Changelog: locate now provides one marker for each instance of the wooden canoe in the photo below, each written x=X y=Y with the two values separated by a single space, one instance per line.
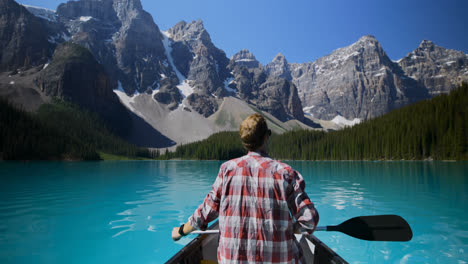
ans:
x=203 y=249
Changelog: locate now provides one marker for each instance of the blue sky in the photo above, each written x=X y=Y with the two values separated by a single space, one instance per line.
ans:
x=304 y=30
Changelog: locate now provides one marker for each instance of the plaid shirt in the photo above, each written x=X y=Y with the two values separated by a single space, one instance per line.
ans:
x=256 y=199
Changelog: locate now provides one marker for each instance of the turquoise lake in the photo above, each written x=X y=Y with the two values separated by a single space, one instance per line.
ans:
x=123 y=212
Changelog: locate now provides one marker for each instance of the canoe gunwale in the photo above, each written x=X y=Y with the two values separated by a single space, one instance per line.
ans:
x=323 y=253
x=193 y=251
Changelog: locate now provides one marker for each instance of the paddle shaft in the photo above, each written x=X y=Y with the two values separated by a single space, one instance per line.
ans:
x=371 y=228
x=215 y=231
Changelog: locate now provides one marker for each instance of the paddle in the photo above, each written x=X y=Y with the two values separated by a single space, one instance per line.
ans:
x=372 y=228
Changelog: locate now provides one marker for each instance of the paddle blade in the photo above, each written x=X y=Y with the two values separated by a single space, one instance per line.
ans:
x=376 y=228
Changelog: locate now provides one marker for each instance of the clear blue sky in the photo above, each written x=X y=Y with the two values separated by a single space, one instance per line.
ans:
x=304 y=30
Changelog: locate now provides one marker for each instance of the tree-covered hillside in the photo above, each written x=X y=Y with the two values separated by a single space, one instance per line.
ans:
x=436 y=128
x=58 y=131
x=219 y=146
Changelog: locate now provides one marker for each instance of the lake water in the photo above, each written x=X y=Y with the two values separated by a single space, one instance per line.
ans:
x=123 y=212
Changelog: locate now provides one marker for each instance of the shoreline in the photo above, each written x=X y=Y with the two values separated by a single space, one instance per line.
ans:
x=123 y=158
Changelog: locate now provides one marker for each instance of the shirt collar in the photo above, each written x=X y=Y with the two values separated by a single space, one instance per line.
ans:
x=259 y=153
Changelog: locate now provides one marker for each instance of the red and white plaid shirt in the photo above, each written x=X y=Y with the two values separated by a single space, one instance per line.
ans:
x=256 y=199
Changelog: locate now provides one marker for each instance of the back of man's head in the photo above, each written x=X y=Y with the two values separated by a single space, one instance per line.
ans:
x=252 y=131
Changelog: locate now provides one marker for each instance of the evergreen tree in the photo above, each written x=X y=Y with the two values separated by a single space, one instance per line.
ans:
x=435 y=128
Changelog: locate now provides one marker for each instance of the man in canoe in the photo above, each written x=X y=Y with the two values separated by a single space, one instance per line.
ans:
x=260 y=202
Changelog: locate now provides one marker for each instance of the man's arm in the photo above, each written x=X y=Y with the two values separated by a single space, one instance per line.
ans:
x=206 y=212
x=302 y=209
x=187 y=229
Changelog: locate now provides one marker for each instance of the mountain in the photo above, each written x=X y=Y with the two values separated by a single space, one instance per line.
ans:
x=161 y=88
x=72 y=73
x=246 y=58
x=440 y=70
x=434 y=129
x=269 y=93
x=203 y=65
x=122 y=37
x=168 y=80
x=23 y=38
x=58 y=130
x=358 y=81
x=75 y=76
x=279 y=67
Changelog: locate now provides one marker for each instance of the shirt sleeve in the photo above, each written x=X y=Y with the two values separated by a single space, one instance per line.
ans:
x=208 y=210
x=300 y=206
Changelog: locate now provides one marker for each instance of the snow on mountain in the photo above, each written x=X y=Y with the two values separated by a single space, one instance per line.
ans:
x=126 y=100
x=339 y=120
x=85 y=18
x=41 y=12
x=308 y=110
x=184 y=87
x=227 y=82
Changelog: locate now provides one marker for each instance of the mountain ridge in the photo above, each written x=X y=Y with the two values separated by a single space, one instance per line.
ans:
x=180 y=73
x=371 y=84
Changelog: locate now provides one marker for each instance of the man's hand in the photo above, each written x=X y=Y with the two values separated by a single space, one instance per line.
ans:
x=175 y=234
x=187 y=230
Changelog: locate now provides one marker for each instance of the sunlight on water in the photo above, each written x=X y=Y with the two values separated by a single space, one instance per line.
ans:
x=123 y=212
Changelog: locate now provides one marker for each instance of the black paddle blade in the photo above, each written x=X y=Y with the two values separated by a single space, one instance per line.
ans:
x=376 y=228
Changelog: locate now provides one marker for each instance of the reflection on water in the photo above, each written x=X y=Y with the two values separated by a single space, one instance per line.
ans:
x=123 y=212
x=343 y=194
x=168 y=200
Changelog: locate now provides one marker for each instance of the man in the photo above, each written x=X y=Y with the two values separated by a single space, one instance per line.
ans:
x=260 y=203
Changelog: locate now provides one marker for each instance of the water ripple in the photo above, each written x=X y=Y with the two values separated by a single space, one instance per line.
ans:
x=93 y=212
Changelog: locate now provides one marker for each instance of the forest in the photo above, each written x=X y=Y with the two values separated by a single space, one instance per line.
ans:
x=432 y=129
x=59 y=131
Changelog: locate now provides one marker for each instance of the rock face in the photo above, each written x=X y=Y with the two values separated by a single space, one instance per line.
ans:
x=272 y=94
x=23 y=38
x=201 y=63
x=74 y=75
x=438 y=69
x=279 y=67
x=246 y=58
x=121 y=36
x=110 y=56
x=358 y=81
x=179 y=67
x=166 y=77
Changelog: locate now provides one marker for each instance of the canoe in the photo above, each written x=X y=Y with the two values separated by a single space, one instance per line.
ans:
x=203 y=249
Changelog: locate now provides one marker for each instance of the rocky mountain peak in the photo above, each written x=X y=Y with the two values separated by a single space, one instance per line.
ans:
x=198 y=24
x=370 y=38
x=426 y=43
x=102 y=10
x=127 y=8
x=122 y=36
x=127 y=4
x=357 y=81
x=107 y=10
x=280 y=58
x=192 y=31
x=245 y=58
x=279 y=67
x=367 y=54
x=202 y=64
x=437 y=68
x=368 y=42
